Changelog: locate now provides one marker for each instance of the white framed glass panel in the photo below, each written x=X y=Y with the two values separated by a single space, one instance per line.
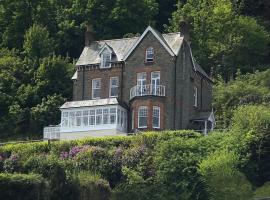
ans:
x=112 y=115
x=122 y=117
x=78 y=118
x=114 y=82
x=105 y=59
x=149 y=54
x=99 y=116
x=92 y=117
x=72 y=119
x=64 y=119
x=141 y=83
x=96 y=88
x=156 y=117
x=155 y=81
x=85 y=118
x=105 y=116
x=142 y=117
x=195 y=95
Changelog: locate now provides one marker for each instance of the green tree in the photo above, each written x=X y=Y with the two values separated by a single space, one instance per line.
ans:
x=221 y=38
x=222 y=178
x=37 y=43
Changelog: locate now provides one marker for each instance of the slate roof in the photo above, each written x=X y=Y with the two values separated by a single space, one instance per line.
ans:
x=90 y=103
x=121 y=47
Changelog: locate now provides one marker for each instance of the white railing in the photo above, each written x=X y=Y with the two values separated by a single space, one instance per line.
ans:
x=144 y=90
x=51 y=132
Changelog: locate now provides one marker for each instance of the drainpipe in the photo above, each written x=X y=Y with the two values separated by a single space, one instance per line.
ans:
x=122 y=81
x=83 y=83
x=202 y=93
x=174 y=110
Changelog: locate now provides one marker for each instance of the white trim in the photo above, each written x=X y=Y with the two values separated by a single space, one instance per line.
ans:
x=107 y=47
x=158 y=108
x=93 y=88
x=142 y=107
x=116 y=77
x=149 y=28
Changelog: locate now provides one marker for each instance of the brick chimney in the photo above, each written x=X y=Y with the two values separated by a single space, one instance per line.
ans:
x=89 y=36
x=184 y=30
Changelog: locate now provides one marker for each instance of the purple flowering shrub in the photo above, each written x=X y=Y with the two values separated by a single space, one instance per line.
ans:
x=72 y=152
x=11 y=164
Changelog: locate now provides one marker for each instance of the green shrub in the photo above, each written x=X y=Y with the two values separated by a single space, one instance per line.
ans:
x=93 y=187
x=263 y=191
x=222 y=178
x=22 y=186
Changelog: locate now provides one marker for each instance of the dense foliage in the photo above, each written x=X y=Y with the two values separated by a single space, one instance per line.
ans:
x=156 y=165
x=39 y=39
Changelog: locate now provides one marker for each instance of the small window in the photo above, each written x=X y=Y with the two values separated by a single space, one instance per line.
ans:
x=149 y=55
x=105 y=59
x=96 y=88
x=114 y=82
x=142 y=117
x=195 y=95
x=72 y=119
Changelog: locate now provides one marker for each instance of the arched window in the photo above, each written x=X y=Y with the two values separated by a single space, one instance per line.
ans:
x=142 y=117
x=149 y=54
x=195 y=95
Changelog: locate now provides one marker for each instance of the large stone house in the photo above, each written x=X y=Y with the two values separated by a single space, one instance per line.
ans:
x=150 y=82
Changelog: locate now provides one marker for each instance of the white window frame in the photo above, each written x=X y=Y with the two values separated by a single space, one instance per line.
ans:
x=104 y=54
x=139 y=109
x=96 y=79
x=153 y=115
x=195 y=96
x=111 y=86
x=149 y=51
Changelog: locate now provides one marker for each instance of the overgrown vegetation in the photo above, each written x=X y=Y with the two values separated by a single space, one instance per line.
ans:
x=153 y=165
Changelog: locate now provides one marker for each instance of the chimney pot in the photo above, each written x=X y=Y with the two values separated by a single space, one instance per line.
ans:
x=89 y=36
x=184 y=30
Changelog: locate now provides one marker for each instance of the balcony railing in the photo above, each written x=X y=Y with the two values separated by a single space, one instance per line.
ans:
x=51 y=132
x=144 y=90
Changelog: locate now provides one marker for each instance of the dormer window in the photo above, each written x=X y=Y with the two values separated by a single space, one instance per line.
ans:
x=105 y=59
x=149 y=54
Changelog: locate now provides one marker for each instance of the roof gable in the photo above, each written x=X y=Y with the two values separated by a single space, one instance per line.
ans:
x=157 y=35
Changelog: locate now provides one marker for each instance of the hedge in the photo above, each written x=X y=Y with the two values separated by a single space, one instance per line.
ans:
x=22 y=186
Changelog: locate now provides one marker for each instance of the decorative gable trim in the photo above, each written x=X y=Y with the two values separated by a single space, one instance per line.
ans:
x=105 y=46
x=149 y=28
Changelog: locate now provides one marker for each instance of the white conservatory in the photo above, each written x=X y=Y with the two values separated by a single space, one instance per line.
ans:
x=101 y=117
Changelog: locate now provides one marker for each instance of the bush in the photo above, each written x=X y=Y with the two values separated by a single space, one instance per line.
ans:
x=263 y=191
x=22 y=186
x=92 y=187
x=222 y=179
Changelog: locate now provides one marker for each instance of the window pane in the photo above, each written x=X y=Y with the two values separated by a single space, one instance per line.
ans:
x=71 y=119
x=156 y=117
x=150 y=54
x=96 y=88
x=113 y=115
x=105 y=116
x=142 y=117
x=99 y=117
x=114 y=86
